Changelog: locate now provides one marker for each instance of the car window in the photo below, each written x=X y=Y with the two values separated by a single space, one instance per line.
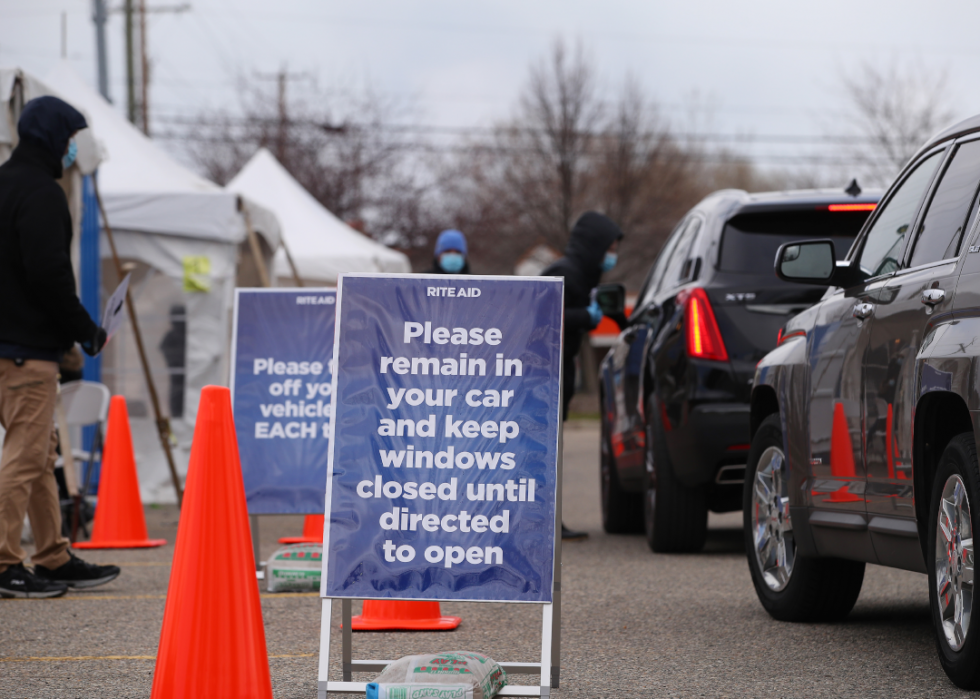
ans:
x=884 y=243
x=656 y=274
x=945 y=220
x=677 y=270
x=750 y=239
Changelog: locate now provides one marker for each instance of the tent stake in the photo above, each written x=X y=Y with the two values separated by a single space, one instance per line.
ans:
x=163 y=423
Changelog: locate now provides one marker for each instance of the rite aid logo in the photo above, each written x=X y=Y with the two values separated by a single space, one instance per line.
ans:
x=316 y=300
x=452 y=291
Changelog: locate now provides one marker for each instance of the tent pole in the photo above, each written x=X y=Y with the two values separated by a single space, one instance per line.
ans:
x=292 y=265
x=253 y=243
x=163 y=423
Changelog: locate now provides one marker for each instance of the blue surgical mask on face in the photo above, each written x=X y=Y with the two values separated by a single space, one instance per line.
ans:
x=609 y=261
x=68 y=158
x=451 y=262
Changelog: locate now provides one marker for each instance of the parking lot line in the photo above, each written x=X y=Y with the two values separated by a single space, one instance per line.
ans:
x=90 y=598
x=85 y=658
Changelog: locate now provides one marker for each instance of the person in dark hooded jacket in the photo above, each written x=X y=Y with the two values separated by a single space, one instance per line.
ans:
x=41 y=318
x=591 y=251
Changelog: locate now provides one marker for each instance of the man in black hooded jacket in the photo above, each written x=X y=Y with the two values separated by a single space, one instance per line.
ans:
x=41 y=318
x=591 y=251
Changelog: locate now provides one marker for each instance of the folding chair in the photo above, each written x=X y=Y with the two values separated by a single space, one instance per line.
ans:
x=86 y=404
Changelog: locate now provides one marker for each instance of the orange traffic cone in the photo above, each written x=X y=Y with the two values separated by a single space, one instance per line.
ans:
x=841 y=456
x=312 y=532
x=378 y=615
x=119 y=521
x=212 y=643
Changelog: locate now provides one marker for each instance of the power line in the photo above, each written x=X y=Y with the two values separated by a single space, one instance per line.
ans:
x=435 y=129
x=827 y=161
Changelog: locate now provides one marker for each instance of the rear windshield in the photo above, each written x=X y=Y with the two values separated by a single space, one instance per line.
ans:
x=750 y=241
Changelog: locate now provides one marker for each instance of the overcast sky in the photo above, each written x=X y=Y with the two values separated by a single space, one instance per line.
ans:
x=763 y=67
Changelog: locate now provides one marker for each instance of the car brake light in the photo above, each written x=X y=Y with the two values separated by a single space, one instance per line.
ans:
x=852 y=207
x=704 y=339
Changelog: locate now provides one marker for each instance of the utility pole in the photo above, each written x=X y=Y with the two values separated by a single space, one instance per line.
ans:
x=144 y=72
x=64 y=35
x=99 y=17
x=130 y=68
x=282 y=130
x=138 y=109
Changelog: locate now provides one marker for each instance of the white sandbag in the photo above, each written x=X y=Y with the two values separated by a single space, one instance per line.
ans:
x=295 y=568
x=458 y=674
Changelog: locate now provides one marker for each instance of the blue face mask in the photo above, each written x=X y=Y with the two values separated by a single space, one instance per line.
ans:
x=609 y=261
x=451 y=262
x=68 y=158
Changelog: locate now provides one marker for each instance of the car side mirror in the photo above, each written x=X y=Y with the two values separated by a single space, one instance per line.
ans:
x=611 y=299
x=814 y=262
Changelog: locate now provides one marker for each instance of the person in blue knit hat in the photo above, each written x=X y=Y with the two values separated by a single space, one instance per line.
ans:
x=450 y=255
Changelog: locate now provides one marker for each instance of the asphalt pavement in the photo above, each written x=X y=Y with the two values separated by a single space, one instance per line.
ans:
x=635 y=624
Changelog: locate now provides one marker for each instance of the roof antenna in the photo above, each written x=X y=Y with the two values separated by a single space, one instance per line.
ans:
x=853 y=188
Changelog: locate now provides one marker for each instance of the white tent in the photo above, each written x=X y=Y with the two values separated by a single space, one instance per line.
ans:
x=322 y=246
x=185 y=239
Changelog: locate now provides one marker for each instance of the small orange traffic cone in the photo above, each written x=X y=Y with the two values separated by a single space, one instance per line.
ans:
x=312 y=532
x=212 y=643
x=841 y=456
x=119 y=520
x=378 y=615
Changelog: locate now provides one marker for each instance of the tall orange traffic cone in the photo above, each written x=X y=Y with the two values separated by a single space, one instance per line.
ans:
x=841 y=456
x=119 y=520
x=212 y=643
x=312 y=532
x=377 y=615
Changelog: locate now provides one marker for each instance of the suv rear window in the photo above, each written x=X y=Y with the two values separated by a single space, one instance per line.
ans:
x=750 y=240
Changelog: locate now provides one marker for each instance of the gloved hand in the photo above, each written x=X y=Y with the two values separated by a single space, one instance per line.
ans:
x=94 y=346
x=595 y=313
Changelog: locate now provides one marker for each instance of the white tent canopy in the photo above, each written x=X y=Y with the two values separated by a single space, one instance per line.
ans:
x=322 y=246
x=167 y=220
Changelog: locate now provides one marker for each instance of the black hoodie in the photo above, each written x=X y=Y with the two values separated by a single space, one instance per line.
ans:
x=40 y=314
x=591 y=237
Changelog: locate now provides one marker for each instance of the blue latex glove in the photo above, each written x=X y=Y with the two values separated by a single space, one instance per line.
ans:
x=595 y=313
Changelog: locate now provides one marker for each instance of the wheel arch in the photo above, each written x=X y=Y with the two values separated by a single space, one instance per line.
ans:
x=762 y=404
x=939 y=416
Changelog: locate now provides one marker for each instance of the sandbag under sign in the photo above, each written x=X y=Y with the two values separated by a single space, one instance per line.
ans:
x=295 y=568
x=458 y=674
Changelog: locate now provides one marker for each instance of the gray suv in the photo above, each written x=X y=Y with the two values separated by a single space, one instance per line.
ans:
x=865 y=417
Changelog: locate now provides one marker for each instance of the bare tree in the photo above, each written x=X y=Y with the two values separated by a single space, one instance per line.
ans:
x=896 y=108
x=343 y=155
x=640 y=177
x=550 y=140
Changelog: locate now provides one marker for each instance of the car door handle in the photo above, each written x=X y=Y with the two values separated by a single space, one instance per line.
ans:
x=863 y=311
x=931 y=297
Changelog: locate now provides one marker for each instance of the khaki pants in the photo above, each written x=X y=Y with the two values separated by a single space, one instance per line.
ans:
x=27 y=483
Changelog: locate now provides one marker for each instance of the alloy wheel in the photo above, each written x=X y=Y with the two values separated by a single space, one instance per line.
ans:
x=775 y=547
x=954 y=562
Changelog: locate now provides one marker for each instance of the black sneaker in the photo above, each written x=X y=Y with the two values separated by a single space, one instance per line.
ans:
x=78 y=573
x=18 y=581
x=571 y=535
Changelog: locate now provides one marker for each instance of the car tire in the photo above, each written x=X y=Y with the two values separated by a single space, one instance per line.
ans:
x=675 y=517
x=953 y=517
x=622 y=512
x=790 y=587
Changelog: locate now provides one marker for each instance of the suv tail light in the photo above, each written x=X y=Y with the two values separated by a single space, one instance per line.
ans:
x=704 y=339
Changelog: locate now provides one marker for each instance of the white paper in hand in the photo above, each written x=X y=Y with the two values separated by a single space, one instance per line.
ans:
x=113 y=316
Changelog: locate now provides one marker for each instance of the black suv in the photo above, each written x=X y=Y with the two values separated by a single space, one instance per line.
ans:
x=675 y=386
x=865 y=420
